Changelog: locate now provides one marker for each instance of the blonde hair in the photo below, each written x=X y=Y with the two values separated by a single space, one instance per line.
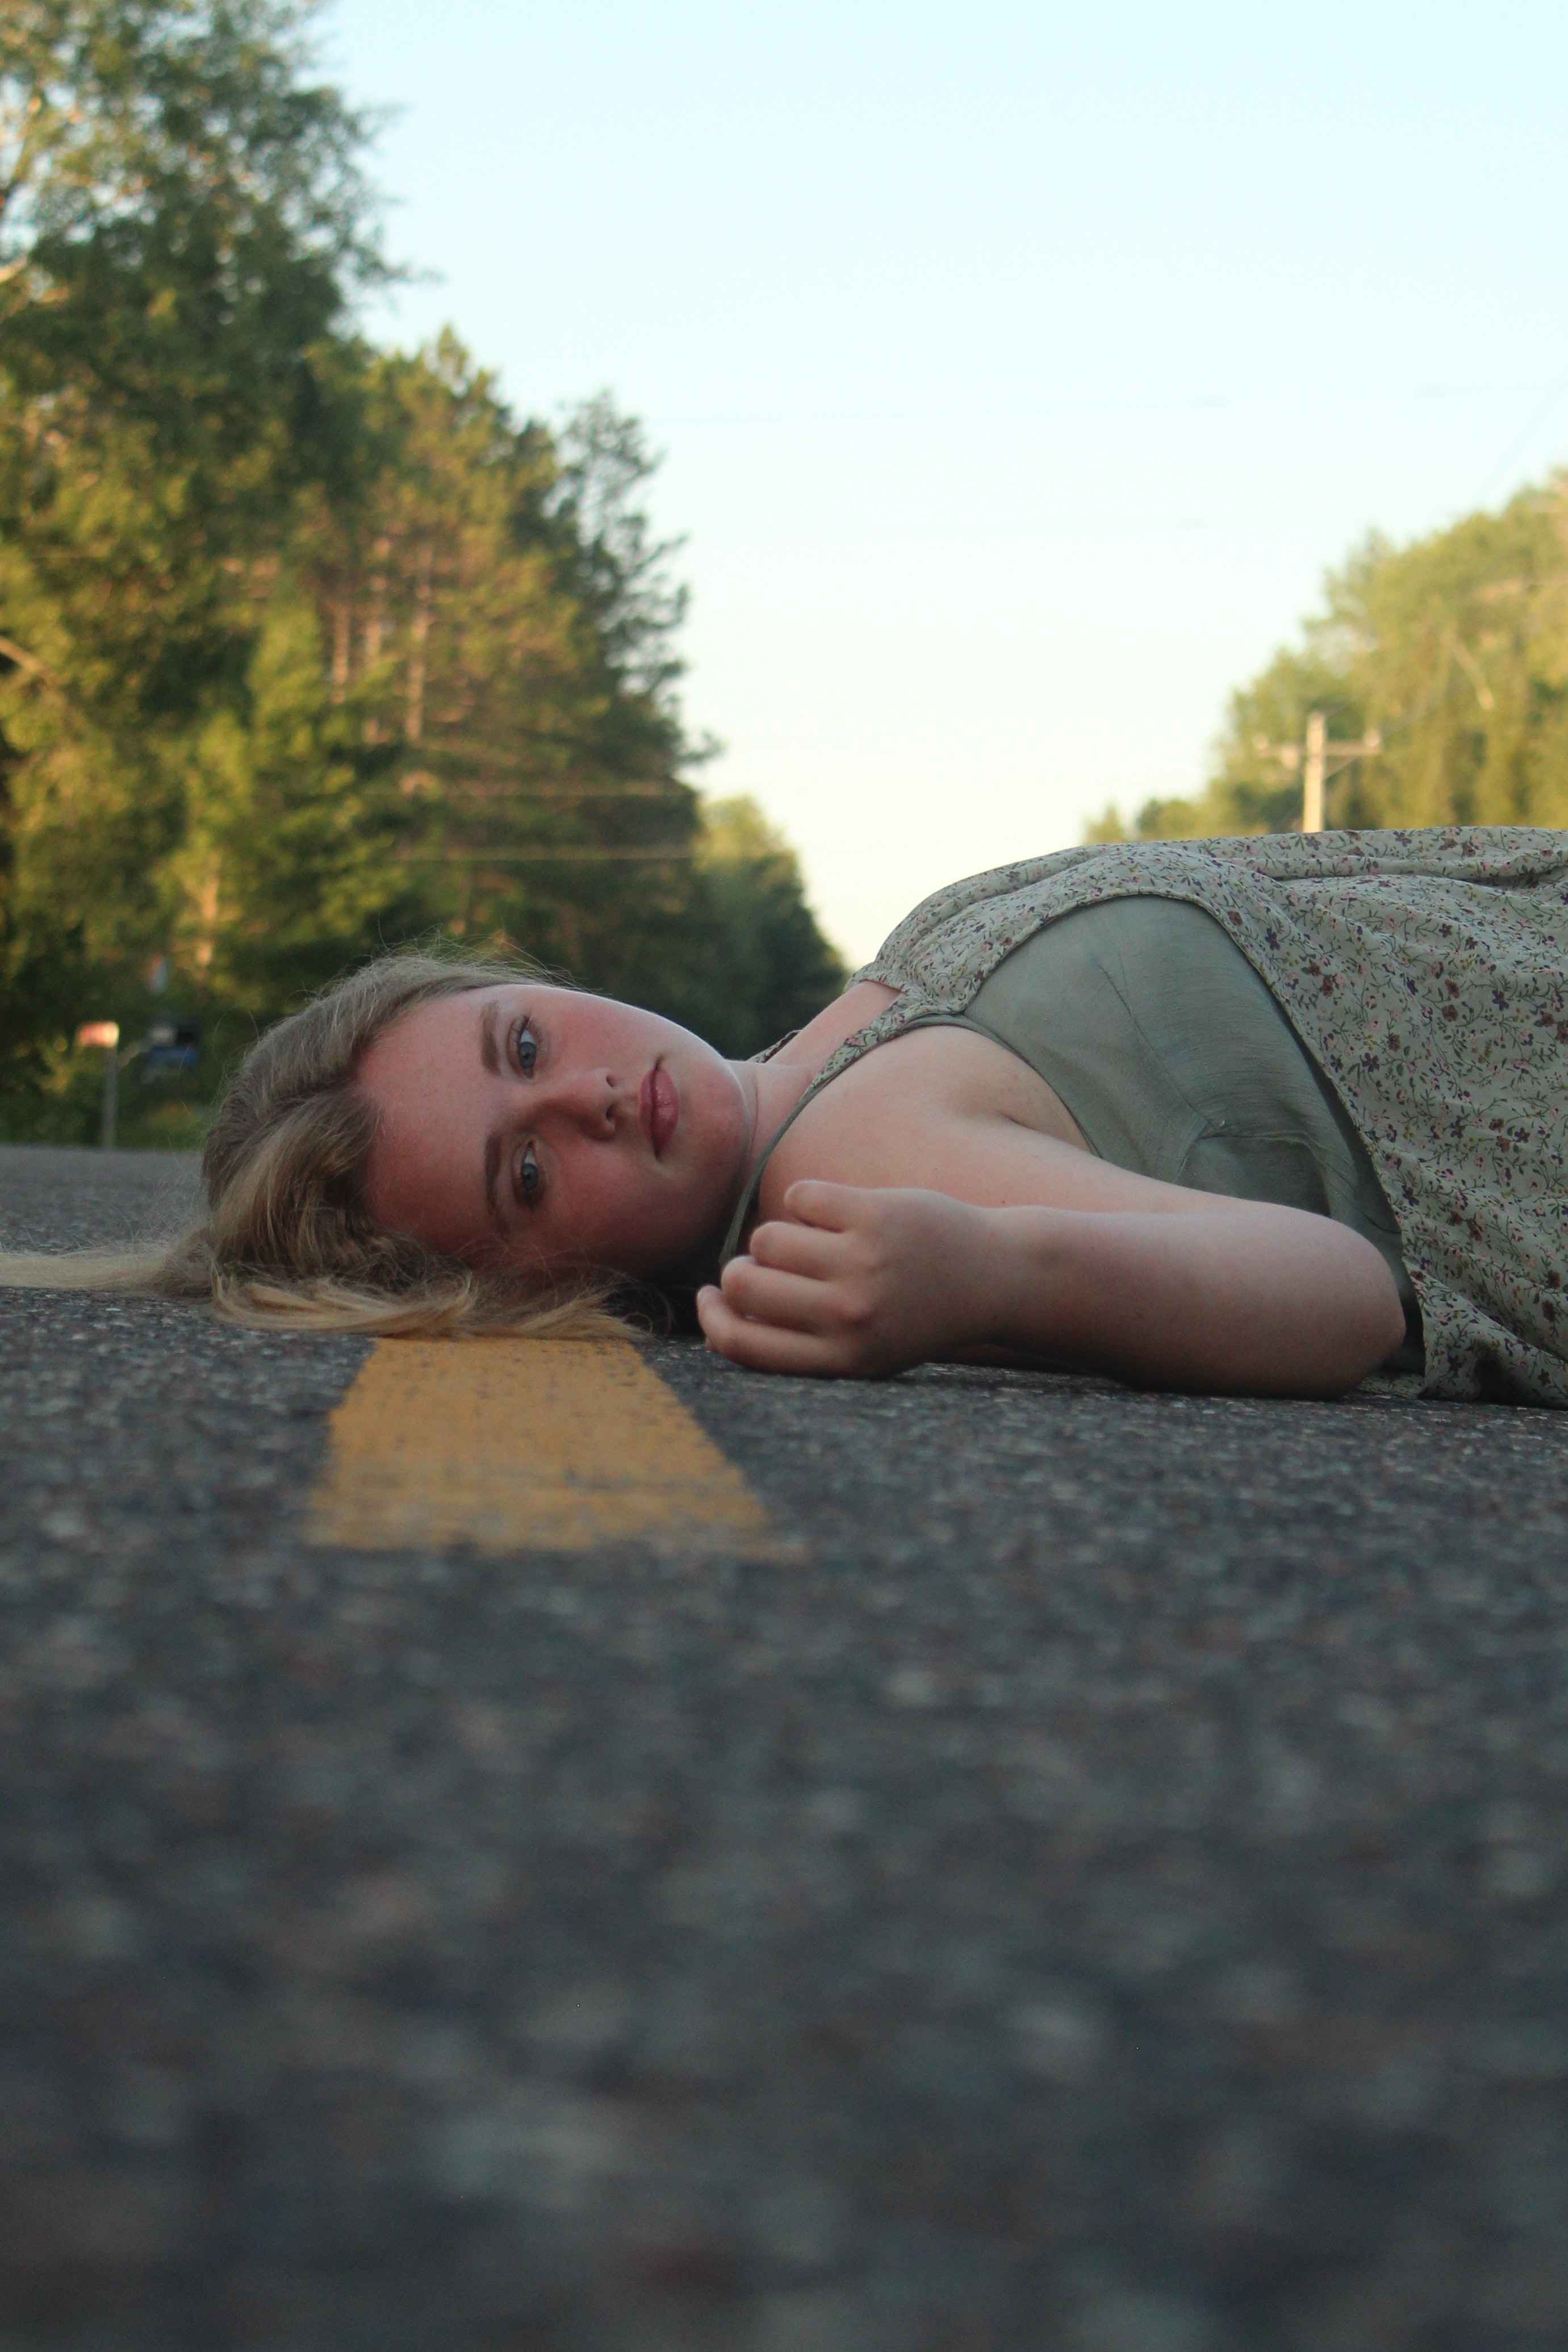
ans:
x=287 y=1240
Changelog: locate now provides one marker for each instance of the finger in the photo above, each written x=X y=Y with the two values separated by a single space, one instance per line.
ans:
x=797 y=1249
x=811 y=1201
x=767 y=1295
x=762 y=1347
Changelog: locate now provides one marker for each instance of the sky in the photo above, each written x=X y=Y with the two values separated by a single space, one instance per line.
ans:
x=1018 y=371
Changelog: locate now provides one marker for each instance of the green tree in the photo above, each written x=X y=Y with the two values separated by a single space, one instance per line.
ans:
x=180 y=228
x=771 y=967
x=306 y=649
x=495 y=628
x=182 y=209
x=1453 y=651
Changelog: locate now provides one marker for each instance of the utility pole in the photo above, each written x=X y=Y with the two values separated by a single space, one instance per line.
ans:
x=1313 y=758
x=106 y=1035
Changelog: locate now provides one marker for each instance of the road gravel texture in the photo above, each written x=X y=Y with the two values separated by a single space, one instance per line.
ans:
x=1109 y=1893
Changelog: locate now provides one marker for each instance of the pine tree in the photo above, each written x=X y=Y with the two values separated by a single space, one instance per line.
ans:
x=305 y=648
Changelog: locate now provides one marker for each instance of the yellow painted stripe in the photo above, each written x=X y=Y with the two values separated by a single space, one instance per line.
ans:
x=521 y=1444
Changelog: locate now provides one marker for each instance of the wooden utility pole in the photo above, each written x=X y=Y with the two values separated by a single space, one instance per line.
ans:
x=1313 y=758
x=106 y=1035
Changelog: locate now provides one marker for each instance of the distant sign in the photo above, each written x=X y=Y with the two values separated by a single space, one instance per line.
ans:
x=170 y=1047
x=99 y=1032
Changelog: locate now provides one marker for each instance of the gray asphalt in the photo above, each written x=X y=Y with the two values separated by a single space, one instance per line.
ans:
x=1111 y=1894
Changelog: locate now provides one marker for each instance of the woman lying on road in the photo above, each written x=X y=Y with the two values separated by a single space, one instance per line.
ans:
x=1257 y=1115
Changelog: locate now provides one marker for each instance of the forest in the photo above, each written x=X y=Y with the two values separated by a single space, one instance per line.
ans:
x=306 y=648
x=1450 y=655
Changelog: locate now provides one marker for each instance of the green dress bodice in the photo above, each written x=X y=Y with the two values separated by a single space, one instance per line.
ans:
x=1177 y=1062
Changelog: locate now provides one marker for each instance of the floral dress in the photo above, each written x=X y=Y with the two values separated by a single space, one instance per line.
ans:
x=1428 y=974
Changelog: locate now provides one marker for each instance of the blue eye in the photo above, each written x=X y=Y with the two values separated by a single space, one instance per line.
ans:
x=525 y=1047
x=528 y=1178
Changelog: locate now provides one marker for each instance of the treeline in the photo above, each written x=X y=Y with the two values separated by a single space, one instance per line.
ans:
x=305 y=648
x=1452 y=653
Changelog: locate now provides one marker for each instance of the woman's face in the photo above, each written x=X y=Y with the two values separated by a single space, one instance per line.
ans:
x=529 y=1126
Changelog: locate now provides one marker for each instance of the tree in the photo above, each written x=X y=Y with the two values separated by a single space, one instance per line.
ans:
x=1454 y=650
x=181 y=208
x=773 y=969
x=496 y=625
x=182 y=225
x=306 y=649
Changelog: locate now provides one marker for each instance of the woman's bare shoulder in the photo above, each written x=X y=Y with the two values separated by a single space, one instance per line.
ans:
x=827 y=1030
x=945 y=1110
x=940 y=1108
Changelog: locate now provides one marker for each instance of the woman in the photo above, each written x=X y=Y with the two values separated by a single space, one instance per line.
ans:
x=1257 y=1115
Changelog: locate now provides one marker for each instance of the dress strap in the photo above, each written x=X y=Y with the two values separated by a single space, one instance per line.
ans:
x=776 y=1047
x=909 y=1011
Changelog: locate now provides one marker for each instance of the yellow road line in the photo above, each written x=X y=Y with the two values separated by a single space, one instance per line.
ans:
x=524 y=1445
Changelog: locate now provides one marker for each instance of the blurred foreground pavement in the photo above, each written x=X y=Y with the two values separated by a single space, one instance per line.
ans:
x=1110 y=1893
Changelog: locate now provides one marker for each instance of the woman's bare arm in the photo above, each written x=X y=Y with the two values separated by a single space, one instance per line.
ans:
x=1223 y=1295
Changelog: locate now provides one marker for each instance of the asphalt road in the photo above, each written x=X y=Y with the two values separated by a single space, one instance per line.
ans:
x=1110 y=1893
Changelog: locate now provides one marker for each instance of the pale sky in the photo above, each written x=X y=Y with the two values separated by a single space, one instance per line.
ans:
x=1019 y=370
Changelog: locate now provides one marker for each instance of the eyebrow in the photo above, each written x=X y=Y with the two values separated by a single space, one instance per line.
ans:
x=489 y=1052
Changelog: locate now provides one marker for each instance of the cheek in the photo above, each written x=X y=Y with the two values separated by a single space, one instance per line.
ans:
x=413 y=1191
x=387 y=1185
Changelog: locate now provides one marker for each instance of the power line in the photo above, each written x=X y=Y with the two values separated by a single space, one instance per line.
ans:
x=523 y=788
x=480 y=856
x=1130 y=528
x=1523 y=441
x=1178 y=405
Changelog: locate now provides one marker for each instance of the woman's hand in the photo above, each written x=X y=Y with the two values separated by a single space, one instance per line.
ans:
x=1196 y=1292
x=854 y=1281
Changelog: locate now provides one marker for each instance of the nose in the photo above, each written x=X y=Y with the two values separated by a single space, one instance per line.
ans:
x=593 y=1101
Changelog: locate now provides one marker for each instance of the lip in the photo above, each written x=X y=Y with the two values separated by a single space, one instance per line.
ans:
x=658 y=1108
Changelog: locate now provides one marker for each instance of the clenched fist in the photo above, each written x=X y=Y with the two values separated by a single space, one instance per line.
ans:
x=855 y=1281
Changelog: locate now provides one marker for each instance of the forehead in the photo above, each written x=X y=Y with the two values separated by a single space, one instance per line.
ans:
x=444 y=1027
x=434 y=1025
x=463 y=1009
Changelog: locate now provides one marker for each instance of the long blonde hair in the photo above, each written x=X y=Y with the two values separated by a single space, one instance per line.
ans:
x=288 y=1239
